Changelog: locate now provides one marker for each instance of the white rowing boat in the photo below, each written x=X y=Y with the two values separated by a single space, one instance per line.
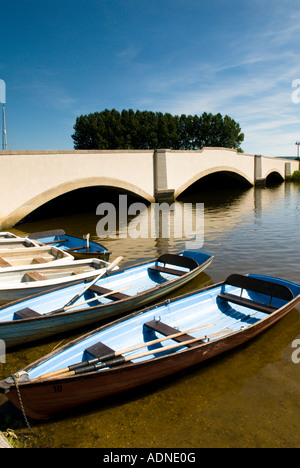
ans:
x=23 y=281
x=11 y=258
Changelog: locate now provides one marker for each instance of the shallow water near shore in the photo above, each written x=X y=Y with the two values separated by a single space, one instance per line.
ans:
x=248 y=397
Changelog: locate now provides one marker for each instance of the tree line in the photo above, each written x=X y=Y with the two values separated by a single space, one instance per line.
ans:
x=130 y=129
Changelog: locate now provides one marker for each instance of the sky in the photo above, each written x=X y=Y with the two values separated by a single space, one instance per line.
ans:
x=61 y=59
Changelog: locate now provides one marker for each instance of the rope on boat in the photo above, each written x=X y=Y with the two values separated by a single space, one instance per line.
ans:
x=21 y=403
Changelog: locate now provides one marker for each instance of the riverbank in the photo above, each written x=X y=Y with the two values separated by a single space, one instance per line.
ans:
x=296 y=176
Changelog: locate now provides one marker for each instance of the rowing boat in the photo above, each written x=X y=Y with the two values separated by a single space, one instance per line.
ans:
x=80 y=248
x=151 y=344
x=25 y=280
x=118 y=293
x=11 y=258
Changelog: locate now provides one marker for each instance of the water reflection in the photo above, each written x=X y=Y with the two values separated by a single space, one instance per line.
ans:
x=249 y=397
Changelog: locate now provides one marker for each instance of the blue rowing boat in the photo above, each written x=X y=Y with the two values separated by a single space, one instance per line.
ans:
x=151 y=344
x=45 y=314
x=80 y=248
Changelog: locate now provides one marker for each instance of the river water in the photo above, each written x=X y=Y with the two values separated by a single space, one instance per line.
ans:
x=246 y=398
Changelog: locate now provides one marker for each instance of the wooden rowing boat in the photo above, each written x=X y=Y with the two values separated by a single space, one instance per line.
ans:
x=151 y=344
x=12 y=258
x=80 y=248
x=26 y=280
x=43 y=315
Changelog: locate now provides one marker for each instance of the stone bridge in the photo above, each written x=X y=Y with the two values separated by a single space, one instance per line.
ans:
x=29 y=179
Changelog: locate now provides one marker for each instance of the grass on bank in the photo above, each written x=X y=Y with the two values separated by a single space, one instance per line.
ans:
x=295 y=176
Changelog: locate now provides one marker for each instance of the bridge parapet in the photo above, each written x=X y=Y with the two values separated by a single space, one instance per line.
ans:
x=29 y=179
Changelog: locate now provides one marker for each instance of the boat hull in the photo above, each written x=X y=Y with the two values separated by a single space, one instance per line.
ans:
x=13 y=286
x=78 y=255
x=24 y=331
x=12 y=258
x=42 y=399
x=75 y=246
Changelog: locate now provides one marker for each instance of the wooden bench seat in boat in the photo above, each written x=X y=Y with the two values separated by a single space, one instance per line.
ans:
x=62 y=271
x=167 y=330
x=115 y=296
x=99 y=350
x=259 y=286
x=25 y=313
x=243 y=301
x=40 y=260
x=56 y=241
x=80 y=271
x=34 y=276
x=176 y=260
x=170 y=271
x=4 y=263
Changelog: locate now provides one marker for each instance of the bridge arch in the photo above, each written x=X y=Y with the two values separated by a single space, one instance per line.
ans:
x=215 y=170
x=274 y=175
x=55 y=192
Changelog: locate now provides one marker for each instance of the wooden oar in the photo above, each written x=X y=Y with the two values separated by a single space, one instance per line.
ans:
x=112 y=356
x=103 y=272
x=121 y=360
x=95 y=298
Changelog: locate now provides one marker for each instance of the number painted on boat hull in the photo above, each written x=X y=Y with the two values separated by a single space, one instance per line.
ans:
x=57 y=388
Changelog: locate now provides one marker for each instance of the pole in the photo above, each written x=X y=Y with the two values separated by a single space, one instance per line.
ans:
x=4 y=139
x=298 y=144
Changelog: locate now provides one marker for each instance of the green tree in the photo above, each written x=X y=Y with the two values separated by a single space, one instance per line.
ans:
x=111 y=129
x=214 y=130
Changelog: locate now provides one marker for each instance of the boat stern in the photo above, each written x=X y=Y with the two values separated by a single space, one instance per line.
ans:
x=199 y=257
x=294 y=287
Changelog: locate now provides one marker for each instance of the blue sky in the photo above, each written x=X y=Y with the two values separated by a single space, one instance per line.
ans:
x=63 y=58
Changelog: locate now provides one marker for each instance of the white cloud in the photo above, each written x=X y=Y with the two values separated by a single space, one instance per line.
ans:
x=252 y=84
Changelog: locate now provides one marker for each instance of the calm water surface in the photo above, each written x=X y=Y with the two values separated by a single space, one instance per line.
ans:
x=246 y=398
